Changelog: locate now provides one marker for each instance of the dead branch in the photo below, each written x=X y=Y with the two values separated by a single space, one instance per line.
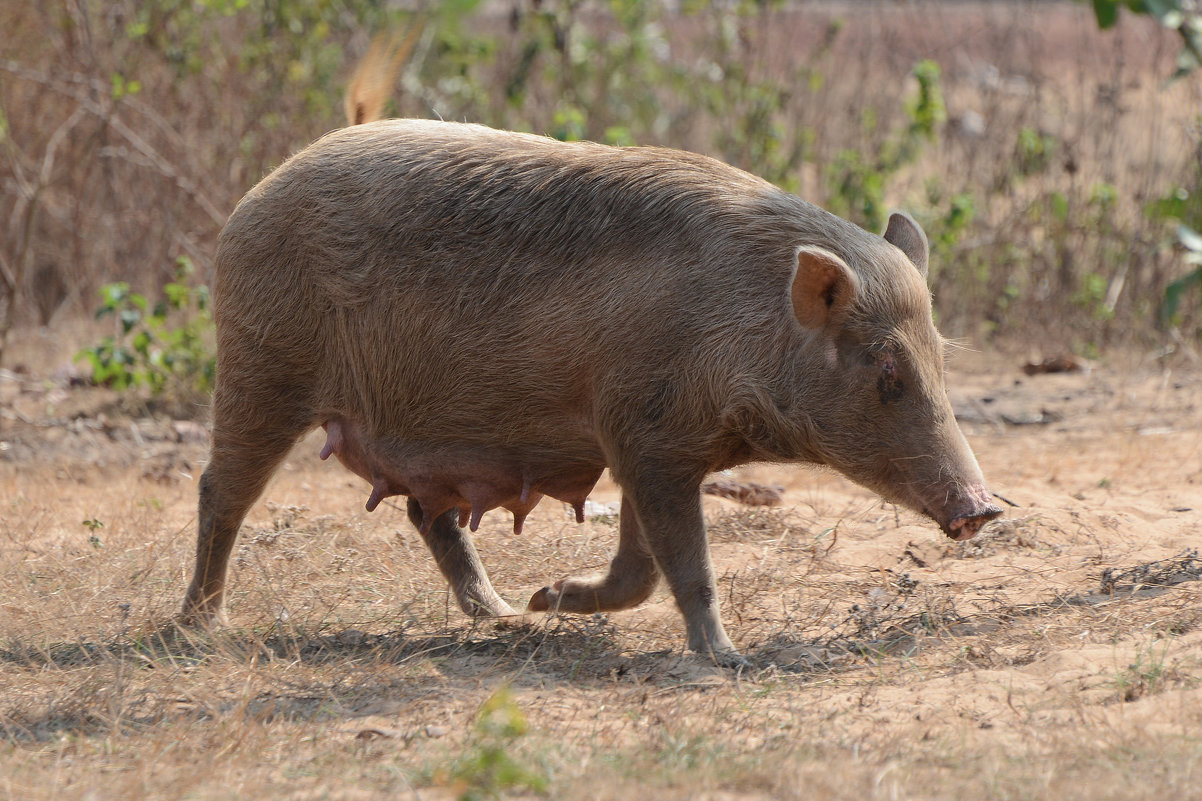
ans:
x=77 y=89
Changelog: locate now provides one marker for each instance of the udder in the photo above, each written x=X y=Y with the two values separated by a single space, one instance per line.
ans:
x=473 y=479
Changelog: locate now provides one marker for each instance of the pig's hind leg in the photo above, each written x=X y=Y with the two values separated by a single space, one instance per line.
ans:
x=631 y=578
x=243 y=458
x=460 y=564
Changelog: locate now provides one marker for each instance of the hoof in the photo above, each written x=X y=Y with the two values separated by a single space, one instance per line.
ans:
x=732 y=660
x=497 y=608
x=199 y=620
x=546 y=599
x=201 y=615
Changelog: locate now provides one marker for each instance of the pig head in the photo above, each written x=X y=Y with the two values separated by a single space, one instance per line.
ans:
x=882 y=415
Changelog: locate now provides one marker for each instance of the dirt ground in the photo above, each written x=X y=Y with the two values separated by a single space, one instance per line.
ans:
x=1057 y=655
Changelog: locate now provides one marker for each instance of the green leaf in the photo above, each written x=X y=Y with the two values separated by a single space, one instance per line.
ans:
x=123 y=356
x=1107 y=12
x=1059 y=204
x=129 y=318
x=1187 y=62
x=141 y=342
x=1173 y=205
x=112 y=295
x=1191 y=240
x=123 y=87
x=457 y=8
x=177 y=295
x=1174 y=292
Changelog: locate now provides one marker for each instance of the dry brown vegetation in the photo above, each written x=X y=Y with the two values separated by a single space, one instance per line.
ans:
x=1058 y=655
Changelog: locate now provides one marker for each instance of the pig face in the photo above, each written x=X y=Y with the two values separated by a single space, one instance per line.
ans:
x=883 y=418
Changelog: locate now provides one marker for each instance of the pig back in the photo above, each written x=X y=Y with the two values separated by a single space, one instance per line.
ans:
x=445 y=280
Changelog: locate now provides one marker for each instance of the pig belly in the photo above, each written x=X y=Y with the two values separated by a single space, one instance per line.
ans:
x=474 y=480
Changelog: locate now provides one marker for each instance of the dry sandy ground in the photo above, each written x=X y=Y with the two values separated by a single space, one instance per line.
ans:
x=1059 y=655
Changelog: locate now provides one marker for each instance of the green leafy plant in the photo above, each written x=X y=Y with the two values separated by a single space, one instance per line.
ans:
x=1034 y=151
x=926 y=109
x=1191 y=241
x=488 y=768
x=946 y=229
x=94 y=525
x=1180 y=211
x=1146 y=675
x=857 y=183
x=162 y=346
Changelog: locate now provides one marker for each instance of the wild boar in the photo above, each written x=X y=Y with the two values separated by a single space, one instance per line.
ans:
x=481 y=318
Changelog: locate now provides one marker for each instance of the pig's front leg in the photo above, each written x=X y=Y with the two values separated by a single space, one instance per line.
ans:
x=631 y=578
x=460 y=564
x=669 y=511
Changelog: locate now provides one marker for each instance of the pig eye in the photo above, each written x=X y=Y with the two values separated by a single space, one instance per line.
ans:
x=883 y=359
x=889 y=385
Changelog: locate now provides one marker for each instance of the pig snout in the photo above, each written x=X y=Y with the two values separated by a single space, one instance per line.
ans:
x=966 y=512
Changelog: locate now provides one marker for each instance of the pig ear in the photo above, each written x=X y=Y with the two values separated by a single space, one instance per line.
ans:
x=823 y=287
x=903 y=232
